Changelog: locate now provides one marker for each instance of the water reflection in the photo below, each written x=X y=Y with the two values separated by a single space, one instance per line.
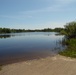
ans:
x=5 y=36
x=9 y=35
x=29 y=45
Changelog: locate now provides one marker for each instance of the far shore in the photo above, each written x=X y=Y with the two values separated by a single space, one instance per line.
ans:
x=56 y=65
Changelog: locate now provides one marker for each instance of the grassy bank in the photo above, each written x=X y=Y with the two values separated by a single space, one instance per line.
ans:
x=71 y=48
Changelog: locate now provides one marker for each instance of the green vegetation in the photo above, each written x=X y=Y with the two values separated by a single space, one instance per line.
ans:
x=5 y=30
x=70 y=33
x=71 y=48
x=8 y=30
x=58 y=29
x=69 y=30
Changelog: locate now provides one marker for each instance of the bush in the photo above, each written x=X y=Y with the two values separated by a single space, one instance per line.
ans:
x=71 y=48
x=70 y=29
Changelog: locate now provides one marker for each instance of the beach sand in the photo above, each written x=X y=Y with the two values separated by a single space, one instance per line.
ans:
x=57 y=65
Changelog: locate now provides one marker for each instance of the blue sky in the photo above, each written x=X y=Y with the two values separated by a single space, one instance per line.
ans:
x=36 y=14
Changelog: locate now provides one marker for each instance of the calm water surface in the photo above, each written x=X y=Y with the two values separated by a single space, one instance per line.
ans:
x=30 y=45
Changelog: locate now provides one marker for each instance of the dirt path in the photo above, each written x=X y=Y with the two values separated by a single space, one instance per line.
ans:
x=57 y=65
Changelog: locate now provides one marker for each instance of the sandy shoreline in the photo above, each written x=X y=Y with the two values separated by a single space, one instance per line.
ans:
x=57 y=65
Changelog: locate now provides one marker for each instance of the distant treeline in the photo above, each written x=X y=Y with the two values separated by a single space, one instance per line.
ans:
x=69 y=30
x=8 y=30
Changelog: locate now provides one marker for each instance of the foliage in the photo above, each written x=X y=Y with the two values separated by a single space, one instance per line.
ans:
x=70 y=29
x=71 y=48
x=7 y=30
x=70 y=34
x=58 y=29
x=62 y=32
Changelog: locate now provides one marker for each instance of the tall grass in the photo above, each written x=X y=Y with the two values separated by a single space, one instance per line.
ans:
x=71 y=48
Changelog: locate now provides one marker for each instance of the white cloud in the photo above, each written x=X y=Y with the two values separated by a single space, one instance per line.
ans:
x=47 y=9
x=56 y=6
x=16 y=16
x=66 y=1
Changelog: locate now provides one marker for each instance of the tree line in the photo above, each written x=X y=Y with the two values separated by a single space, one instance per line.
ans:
x=8 y=30
x=69 y=30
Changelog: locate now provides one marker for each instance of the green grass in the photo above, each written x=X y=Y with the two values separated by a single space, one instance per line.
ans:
x=71 y=48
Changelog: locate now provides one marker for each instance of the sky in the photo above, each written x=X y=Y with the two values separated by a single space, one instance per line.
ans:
x=36 y=14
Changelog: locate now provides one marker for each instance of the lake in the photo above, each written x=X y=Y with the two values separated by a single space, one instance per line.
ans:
x=15 y=47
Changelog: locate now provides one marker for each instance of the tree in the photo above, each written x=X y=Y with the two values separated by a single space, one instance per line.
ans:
x=70 y=29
